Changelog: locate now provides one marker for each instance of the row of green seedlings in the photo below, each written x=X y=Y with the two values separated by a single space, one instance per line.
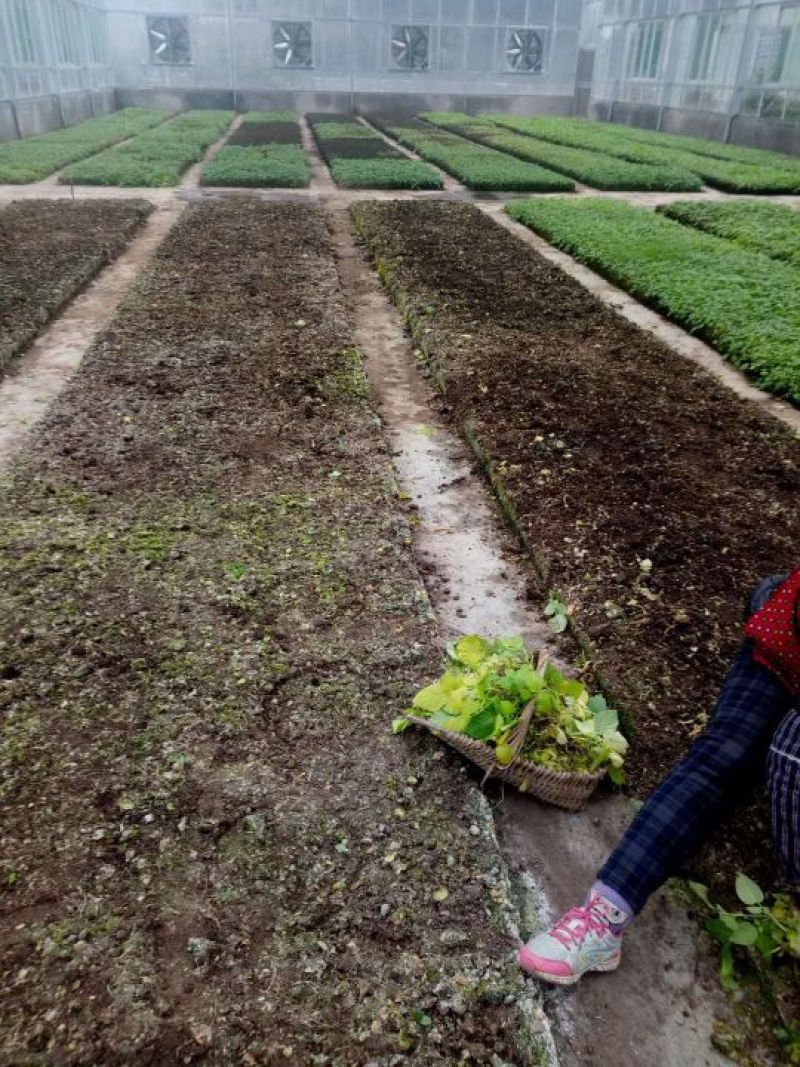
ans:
x=740 y=301
x=773 y=174
x=480 y=168
x=772 y=229
x=592 y=168
x=34 y=158
x=360 y=159
x=156 y=158
x=265 y=151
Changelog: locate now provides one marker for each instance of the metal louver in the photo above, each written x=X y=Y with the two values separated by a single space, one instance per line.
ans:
x=410 y=47
x=169 y=40
x=291 y=44
x=525 y=51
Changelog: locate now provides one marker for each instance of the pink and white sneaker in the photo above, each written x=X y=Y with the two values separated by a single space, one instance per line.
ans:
x=584 y=939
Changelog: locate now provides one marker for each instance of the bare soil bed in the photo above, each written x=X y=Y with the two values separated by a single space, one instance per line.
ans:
x=212 y=850
x=48 y=251
x=653 y=499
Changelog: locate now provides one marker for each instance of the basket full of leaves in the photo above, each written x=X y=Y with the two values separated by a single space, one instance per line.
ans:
x=527 y=724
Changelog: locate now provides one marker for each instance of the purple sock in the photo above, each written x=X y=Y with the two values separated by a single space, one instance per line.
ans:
x=619 y=902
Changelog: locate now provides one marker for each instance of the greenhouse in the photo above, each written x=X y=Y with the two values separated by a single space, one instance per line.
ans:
x=399 y=526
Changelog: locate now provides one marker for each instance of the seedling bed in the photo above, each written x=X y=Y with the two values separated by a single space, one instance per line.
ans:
x=653 y=499
x=359 y=159
x=48 y=251
x=210 y=613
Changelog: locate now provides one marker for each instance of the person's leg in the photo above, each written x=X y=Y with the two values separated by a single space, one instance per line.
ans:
x=672 y=823
x=783 y=774
x=682 y=811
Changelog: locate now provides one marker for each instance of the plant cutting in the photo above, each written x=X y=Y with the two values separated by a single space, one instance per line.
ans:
x=529 y=724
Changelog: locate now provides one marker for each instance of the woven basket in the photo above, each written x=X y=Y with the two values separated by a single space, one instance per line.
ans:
x=565 y=789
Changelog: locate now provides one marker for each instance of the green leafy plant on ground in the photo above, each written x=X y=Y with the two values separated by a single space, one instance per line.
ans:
x=401 y=173
x=741 y=302
x=593 y=168
x=772 y=229
x=262 y=166
x=33 y=158
x=578 y=135
x=153 y=159
x=772 y=930
x=480 y=168
x=485 y=690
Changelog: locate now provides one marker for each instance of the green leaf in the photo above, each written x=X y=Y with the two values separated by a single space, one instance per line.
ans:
x=471 y=650
x=481 y=725
x=400 y=724
x=558 y=623
x=597 y=704
x=606 y=720
x=726 y=972
x=744 y=934
x=747 y=891
x=431 y=698
x=616 y=774
x=701 y=891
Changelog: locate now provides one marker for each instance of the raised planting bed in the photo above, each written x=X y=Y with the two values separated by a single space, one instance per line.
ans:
x=48 y=251
x=772 y=229
x=266 y=166
x=651 y=498
x=359 y=159
x=33 y=158
x=210 y=614
x=743 y=303
x=594 y=169
x=478 y=167
x=699 y=146
x=269 y=153
x=153 y=159
x=729 y=175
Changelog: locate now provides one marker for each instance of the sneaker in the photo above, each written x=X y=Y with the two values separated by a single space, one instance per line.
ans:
x=584 y=939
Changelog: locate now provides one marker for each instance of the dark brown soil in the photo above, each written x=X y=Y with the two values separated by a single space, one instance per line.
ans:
x=48 y=251
x=257 y=133
x=655 y=498
x=212 y=850
x=357 y=148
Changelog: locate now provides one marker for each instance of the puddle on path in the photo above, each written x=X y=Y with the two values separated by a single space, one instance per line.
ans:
x=37 y=376
x=659 y=1008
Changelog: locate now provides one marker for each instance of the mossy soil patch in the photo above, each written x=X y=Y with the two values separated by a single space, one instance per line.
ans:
x=654 y=499
x=48 y=251
x=212 y=849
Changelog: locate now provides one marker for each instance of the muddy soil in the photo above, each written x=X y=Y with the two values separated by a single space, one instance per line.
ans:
x=212 y=849
x=653 y=499
x=48 y=251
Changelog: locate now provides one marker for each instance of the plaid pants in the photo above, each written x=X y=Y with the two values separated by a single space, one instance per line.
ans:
x=753 y=710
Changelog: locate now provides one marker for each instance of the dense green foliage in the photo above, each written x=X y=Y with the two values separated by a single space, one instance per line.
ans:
x=400 y=173
x=597 y=170
x=156 y=158
x=269 y=116
x=34 y=158
x=258 y=166
x=261 y=162
x=572 y=135
x=771 y=930
x=478 y=167
x=486 y=688
x=773 y=229
x=743 y=303
x=736 y=153
x=360 y=159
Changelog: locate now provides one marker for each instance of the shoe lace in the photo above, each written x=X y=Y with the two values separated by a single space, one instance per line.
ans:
x=573 y=926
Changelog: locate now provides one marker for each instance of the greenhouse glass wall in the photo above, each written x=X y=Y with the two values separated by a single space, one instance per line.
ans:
x=723 y=69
